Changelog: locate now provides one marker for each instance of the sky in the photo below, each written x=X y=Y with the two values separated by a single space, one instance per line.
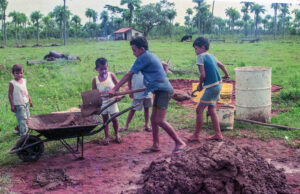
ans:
x=79 y=7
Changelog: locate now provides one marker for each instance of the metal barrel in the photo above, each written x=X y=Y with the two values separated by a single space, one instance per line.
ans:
x=253 y=93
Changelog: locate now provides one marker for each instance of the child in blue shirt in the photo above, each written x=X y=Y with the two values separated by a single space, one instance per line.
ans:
x=156 y=81
x=210 y=80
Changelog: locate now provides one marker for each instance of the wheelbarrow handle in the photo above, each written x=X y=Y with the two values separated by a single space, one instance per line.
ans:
x=97 y=130
x=109 y=104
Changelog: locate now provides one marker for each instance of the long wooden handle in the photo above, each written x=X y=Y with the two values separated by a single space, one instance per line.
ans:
x=129 y=92
x=126 y=92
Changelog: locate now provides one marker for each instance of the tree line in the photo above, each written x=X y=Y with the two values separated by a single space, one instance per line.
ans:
x=154 y=19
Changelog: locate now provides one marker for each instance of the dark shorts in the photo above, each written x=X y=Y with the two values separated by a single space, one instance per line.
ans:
x=161 y=99
x=211 y=95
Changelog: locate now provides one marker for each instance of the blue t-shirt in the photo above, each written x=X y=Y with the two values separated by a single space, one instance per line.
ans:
x=212 y=77
x=155 y=77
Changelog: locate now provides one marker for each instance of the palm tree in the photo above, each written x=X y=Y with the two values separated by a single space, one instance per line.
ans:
x=297 y=18
x=189 y=11
x=3 y=6
x=35 y=17
x=265 y=21
x=275 y=6
x=131 y=4
x=23 y=21
x=46 y=20
x=284 y=8
x=220 y=23
x=246 y=17
x=58 y=14
x=76 y=20
x=233 y=15
x=257 y=9
x=171 y=13
x=88 y=14
x=104 y=18
x=92 y=14
x=199 y=8
x=16 y=20
x=114 y=10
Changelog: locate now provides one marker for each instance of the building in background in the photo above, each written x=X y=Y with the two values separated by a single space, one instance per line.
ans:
x=126 y=34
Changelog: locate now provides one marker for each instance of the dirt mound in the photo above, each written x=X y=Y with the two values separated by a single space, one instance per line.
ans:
x=214 y=167
x=51 y=179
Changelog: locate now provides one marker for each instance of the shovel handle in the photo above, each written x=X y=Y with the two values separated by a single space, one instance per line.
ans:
x=129 y=92
x=126 y=92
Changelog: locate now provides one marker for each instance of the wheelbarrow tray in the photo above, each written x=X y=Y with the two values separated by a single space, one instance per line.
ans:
x=63 y=125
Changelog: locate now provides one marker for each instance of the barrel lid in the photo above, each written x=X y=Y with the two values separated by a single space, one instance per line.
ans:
x=253 y=68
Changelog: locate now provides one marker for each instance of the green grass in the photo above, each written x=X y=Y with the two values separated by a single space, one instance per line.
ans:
x=57 y=86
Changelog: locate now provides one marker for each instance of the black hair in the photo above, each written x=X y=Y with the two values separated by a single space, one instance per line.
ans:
x=201 y=41
x=17 y=68
x=140 y=42
x=100 y=61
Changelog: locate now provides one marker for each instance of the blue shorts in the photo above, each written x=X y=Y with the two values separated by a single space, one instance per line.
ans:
x=211 y=95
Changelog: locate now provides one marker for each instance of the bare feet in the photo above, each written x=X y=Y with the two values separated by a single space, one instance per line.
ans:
x=180 y=148
x=123 y=129
x=216 y=137
x=147 y=129
x=193 y=138
x=106 y=141
x=118 y=139
x=150 y=150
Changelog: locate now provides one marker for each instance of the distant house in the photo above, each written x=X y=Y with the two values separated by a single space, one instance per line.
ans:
x=126 y=34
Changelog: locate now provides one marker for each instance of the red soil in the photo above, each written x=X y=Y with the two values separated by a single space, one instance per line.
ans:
x=117 y=167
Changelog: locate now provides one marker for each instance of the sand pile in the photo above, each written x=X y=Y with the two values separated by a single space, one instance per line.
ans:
x=214 y=167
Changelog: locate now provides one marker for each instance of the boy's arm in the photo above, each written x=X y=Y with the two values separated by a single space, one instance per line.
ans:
x=165 y=66
x=221 y=66
x=30 y=101
x=130 y=87
x=202 y=77
x=10 y=97
x=114 y=78
x=125 y=79
x=94 y=87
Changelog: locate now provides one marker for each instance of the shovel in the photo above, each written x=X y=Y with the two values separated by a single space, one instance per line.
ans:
x=92 y=100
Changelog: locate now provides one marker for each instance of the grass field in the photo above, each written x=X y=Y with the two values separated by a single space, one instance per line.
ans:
x=57 y=86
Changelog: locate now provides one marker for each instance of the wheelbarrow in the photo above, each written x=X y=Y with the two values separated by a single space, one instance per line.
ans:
x=59 y=127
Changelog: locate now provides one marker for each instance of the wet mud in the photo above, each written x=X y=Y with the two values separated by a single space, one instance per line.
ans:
x=214 y=167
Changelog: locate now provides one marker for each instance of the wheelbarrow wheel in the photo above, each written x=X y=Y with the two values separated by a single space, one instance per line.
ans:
x=32 y=153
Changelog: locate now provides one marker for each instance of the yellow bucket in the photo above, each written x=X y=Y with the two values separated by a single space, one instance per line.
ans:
x=225 y=95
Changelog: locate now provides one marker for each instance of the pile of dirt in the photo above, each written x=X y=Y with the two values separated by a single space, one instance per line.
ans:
x=57 y=120
x=214 y=167
x=51 y=179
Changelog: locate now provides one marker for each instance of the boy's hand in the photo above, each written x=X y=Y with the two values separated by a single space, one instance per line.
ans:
x=226 y=77
x=131 y=96
x=200 y=87
x=111 y=93
x=118 y=98
x=13 y=109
